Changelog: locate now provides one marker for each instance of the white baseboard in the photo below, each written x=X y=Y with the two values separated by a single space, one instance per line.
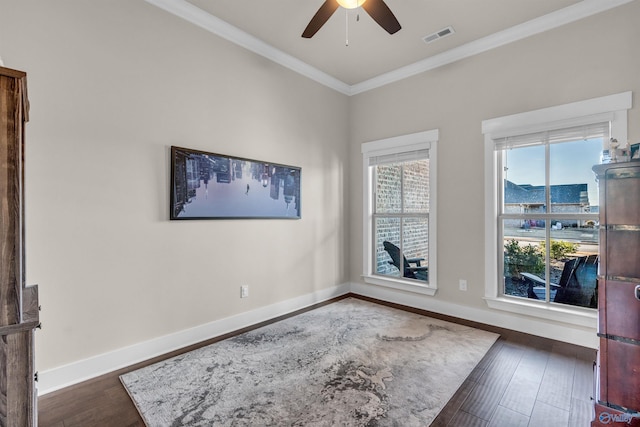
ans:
x=584 y=337
x=82 y=370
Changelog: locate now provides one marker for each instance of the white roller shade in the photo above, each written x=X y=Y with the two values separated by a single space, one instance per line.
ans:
x=575 y=133
x=405 y=156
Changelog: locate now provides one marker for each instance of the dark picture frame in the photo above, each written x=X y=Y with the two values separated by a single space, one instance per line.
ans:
x=635 y=152
x=208 y=185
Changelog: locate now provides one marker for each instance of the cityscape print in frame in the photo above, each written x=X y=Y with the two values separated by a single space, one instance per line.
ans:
x=216 y=186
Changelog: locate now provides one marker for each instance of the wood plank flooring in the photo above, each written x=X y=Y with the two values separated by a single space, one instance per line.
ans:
x=523 y=381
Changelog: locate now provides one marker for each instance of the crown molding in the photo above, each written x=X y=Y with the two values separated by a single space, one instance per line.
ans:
x=215 y=25
x=567 y=15
x=539 y=25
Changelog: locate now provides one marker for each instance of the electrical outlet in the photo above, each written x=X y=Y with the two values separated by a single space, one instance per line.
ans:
x=244 y=291
x=463 y=285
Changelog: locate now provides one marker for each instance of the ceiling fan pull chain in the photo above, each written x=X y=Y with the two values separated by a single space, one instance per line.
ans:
x=346 y=14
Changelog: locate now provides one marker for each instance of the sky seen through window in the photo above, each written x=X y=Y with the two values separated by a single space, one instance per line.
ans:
x=570 y=163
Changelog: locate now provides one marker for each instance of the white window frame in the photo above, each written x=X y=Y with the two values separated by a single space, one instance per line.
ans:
x=612 y=108
x=426 y=140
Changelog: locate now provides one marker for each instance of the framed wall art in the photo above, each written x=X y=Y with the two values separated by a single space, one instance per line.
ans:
x=217 y=186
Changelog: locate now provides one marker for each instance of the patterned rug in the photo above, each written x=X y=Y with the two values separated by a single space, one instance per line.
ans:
x=349 y=363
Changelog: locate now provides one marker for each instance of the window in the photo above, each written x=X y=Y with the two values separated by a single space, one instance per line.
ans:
x=547 y=214
x=400 y=212
x=542 y=207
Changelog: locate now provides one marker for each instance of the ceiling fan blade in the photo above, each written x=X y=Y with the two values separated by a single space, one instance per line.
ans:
x=381 y=13
x=322 y=15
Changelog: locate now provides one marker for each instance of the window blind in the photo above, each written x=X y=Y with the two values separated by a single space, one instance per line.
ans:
x=575 y=133
x=406 y=156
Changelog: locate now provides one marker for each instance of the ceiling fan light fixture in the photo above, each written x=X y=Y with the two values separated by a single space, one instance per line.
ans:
x=351 y=4
x=377 y=9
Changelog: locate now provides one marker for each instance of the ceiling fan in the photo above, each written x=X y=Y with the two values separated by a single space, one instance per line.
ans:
x=377 y=9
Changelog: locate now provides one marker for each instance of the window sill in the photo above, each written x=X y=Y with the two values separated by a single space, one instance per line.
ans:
x=577 y=316
x=404 y=285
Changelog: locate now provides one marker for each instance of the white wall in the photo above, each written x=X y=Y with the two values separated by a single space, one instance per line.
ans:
x=594 y=57
x=113 y=84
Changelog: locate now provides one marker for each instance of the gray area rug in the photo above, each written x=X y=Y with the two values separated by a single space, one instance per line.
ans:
x=349 y=363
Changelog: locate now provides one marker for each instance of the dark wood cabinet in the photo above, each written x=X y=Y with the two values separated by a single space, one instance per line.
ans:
x=19 y=309
x=618 y=366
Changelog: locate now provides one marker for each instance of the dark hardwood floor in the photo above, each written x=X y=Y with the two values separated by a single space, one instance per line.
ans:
x=522 y=381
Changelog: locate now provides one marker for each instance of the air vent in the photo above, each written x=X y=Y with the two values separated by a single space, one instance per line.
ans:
x=438 y=35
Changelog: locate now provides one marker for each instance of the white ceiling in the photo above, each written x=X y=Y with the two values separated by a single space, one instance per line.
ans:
x=373 y=58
